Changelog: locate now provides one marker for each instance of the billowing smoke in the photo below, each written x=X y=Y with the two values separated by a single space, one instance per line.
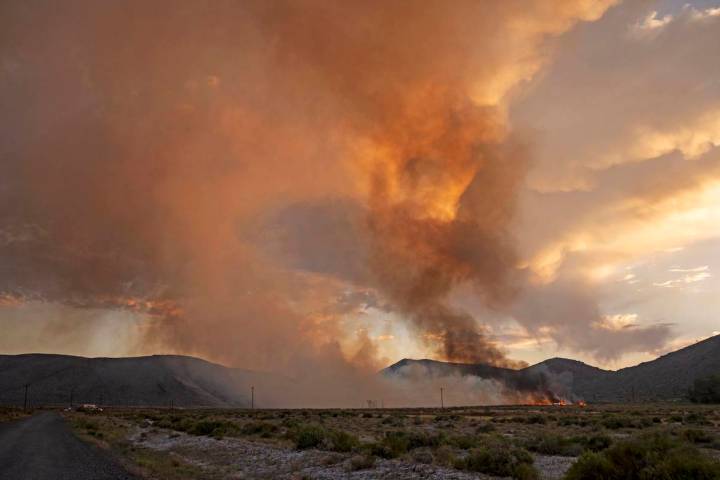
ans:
x=240 y=174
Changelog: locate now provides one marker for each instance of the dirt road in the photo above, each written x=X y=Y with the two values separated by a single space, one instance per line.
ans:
x=43 y=447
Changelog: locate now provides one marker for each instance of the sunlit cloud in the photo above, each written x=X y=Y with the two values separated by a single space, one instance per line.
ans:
x=684 y=280
x=703 y=268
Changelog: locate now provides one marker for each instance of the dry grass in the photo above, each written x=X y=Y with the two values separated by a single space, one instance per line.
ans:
x=8 y=414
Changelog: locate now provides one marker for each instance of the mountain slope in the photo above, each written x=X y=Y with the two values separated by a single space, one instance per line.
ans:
x=153 y=380
x=665 y=378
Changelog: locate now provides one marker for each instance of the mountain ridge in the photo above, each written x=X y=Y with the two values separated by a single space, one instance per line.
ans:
x=667 y=377
x=180 y=380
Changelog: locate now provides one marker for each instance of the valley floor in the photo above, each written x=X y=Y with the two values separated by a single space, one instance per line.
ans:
x=528 y=442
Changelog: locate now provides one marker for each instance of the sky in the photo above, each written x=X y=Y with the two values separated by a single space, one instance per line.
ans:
x=321 y=187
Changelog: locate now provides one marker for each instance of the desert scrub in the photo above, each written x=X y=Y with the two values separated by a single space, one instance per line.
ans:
x=316 y=436
x=485 y=427
x=552 y=444
x=392 y=445
x=597 y=442
x=341 y=441
x=656 y=456
x=260 y=428
x=464 y=442
x=500 y=458
x=695 y=435
x=12 y=413
x=696 y=418
x=214 y=428
x=615 y=422
x=397 y=443
x=307 y=436
x=360 y=462
x=573 y=420
x=88 y=427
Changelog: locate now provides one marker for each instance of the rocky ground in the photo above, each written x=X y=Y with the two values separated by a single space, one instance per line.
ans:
x=459 y=444
x=237 y=458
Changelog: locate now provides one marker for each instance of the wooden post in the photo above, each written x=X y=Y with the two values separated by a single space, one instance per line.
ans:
x=442 y=400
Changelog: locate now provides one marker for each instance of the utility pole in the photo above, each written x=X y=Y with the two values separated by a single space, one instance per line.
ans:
x=442 y=400
x=252 y=398
x=25 y=401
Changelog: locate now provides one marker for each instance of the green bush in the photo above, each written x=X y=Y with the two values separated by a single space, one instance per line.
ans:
x=695 y=435
x=393 y=445
x=263 y=429
x=309 y=436
x=214 y=428
x=397 y=443
x=655 y=456
x=464 y=442
x=615 y=422
x=341 y=441
x=316 y=436
x=551 y=444
x=591 y=466
x=502 y=459
x=597 y=443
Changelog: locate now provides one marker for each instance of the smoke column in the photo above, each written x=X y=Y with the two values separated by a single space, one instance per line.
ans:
x=229 y=170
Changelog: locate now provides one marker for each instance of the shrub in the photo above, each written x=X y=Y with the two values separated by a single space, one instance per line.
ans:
x=264 y=429
x=615 y=422
x=214 y=428
x=502 y=459
x=696 y=419
x=464 y=442
x=361 y=462
x=550 y=444
x=392 y=445
x=694 y=435
x=341 y=441
x=597 y=443
x=649 y=457
x=485 y=427
x=308 y=436
x=536 y=419
x=444 y=455
x=423 y=455
x=705 y=390
x=591 y=466
x=316 y=436
x=422 y=439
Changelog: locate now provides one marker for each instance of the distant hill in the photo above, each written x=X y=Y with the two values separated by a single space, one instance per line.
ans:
x=665 y=378
x=160 y=380
x=154 y=380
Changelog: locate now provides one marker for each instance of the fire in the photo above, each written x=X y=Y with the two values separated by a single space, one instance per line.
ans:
x=550 y=398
